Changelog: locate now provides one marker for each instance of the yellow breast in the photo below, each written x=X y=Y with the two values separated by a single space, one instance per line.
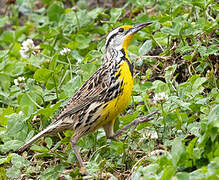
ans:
x=117 y=105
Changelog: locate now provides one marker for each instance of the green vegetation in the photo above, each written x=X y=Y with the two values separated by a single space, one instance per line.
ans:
x=176 y=72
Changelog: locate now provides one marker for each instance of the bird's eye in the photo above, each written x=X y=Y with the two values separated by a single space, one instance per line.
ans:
x=121 y=30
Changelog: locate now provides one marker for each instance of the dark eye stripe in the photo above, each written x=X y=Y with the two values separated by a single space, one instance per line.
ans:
x=110 y=39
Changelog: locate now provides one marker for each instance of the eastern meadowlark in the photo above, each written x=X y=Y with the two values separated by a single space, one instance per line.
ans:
x=102 y=97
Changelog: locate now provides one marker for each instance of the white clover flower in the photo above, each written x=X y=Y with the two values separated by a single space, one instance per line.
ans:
x=21 y=113
x=28 y=48
x=64 y=51
x=152 y=134
x=24 y=54
x=19 y=80
x=28 y=44
x=16 y=82
x=159 y=97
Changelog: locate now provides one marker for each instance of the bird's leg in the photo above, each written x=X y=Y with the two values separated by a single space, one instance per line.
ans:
x=77 y=154
x=108 y=128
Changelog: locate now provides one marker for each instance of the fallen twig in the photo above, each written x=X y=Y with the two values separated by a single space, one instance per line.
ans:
x=135 y=123
x=157 y=57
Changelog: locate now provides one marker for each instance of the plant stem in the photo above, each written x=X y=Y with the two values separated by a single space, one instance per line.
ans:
x=77 y=20
x=164 y=120
x=55 y=86
x=69 y=66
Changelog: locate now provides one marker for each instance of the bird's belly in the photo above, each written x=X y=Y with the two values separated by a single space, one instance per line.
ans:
x=117 y=105
x=109 y=110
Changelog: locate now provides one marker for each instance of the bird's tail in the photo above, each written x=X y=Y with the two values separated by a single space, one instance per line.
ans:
x=49 y=130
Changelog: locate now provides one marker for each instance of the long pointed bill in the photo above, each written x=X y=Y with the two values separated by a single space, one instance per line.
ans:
x=138 y=27
x=131 y=32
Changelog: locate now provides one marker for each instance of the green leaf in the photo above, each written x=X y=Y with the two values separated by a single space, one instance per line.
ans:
x=53 y=62
x=84 y=41
x=52 y=172
x=213 y=49
x=177 y=150
x=168 y=173
x=13 y=172
x=160 y=86
x=44 y=155
x=19 y=161
x=209 y=172
x=3 y=173
x=4 y=81
x=213 y=123
x=48 y=142
x=95 y=12
x=198 y=82
x=39 y=149
x=42 y=75
x=203 y=51
x=169 y=71
x=128 y=118
x=76 y=56
x=3 y=20
x=145 y=48
x=149 y=73
x=115 y=14
x=15 y=123
x=28 y=102
x=185 y=49
x=198 y=3
x=10 y=145
x=7 y=36
x=92 y=167
x=16 y=130
x=168 y=30
x=187 y=57
x=3 y=119
x=190 y=148
x=49 y=110
x=29 y=136
x=5 y=160
x=57 y=171
x=182 y=176
x=148 y=172
x=119 y=147
x=88 y=70
x=213 y=117
x=15 y=69
x=55 y=11
x=72 y=86
x=197 y=87
x=3 y=53
x=47 y=173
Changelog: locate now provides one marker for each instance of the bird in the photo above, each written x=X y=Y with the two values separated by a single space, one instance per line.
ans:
x=102 y=97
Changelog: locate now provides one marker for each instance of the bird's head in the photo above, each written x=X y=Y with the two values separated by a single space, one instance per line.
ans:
x=120 y=37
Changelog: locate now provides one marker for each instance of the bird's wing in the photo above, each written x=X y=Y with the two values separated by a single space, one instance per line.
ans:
x=92 y=90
